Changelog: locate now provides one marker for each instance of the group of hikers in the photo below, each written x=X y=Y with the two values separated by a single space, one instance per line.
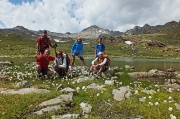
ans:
x=62 y=61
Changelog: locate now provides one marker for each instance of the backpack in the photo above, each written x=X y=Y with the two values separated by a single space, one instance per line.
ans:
x=67 y=59
x=108 y=59
x=43 y=44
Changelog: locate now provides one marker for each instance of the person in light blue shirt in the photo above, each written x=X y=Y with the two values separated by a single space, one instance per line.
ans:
x=100 y=47
x=77 y=50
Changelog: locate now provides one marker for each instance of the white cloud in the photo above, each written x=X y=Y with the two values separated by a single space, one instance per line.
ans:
x=75 y=15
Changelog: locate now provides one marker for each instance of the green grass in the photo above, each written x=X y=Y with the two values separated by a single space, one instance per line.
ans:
x=22 y=106
x=104 y=106
x=16 y=45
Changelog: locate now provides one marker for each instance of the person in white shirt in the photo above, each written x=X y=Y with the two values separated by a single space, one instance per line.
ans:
x=100 y=63
x=60 y=63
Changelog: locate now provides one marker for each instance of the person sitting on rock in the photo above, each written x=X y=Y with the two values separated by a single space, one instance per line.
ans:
x=43 y=62
x=102 y=64
x=61 y=63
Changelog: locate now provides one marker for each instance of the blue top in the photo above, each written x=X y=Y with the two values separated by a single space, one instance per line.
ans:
x=99 y=48
x=77 y=48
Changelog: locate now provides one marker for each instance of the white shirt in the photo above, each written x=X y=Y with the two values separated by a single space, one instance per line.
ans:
x=61 y=62
x=102 y=63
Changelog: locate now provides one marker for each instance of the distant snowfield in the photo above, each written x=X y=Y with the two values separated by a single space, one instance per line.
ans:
x=129 y=42
x=58 y=41
x=85 y=43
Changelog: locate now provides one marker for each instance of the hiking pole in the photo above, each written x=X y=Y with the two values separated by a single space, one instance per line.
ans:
x=55 y=45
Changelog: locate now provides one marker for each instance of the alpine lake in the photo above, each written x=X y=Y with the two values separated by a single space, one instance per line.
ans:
x=139 y=64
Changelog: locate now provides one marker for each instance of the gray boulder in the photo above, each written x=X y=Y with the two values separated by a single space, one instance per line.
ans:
x=121 y=93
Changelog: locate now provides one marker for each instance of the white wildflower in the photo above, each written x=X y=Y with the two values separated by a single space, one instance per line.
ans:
x=150 y=103
x=136 y=92
x=156 y=103
x=172 y=116
x=83 y=87
x=77 y=88
x=170 y=90
x=144 y=97
x=156 y=85
x=98 y=94
x=170 y=108
x=169 y=97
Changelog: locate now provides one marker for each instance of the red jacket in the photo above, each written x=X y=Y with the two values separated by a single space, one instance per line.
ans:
x=43 y=42
x=44 y=62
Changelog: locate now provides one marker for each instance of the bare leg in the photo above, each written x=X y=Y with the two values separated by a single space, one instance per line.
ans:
x=92 y=67
x=61 y=71
x=38 y=69
x=83 y=62
x=82 y=59
x=101 y=69
x=73 y=60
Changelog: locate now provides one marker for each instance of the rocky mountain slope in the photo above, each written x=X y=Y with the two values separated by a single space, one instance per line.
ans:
x=147 y=29
x=92 y=31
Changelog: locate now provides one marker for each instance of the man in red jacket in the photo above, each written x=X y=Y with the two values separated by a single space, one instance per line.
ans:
x=43 y=62
x=43 y=43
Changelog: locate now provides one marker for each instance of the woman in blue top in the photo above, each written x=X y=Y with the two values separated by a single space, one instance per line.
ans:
x=77 y=50
x=100 y=47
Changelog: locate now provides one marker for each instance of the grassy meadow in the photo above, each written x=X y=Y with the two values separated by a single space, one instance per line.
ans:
x=160 y=105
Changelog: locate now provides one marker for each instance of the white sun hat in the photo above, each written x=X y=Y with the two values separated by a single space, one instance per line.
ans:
x=100 y=53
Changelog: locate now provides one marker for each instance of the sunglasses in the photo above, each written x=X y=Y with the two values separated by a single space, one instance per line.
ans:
x=58 y=54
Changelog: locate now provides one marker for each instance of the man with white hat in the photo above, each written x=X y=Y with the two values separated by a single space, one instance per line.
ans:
x=100 y=63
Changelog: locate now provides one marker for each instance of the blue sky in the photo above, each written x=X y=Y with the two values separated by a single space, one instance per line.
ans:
x=19 y=1
x=75 y=15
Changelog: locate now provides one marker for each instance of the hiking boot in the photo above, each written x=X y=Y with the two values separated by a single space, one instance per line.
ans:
x=99 y=74
x=70 y=68
x=40 y=77
x=90 y=73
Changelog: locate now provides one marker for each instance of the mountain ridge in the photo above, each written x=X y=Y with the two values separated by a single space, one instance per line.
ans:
x=92 y=31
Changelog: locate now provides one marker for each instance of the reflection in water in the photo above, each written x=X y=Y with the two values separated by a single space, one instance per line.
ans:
x=148 y=64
